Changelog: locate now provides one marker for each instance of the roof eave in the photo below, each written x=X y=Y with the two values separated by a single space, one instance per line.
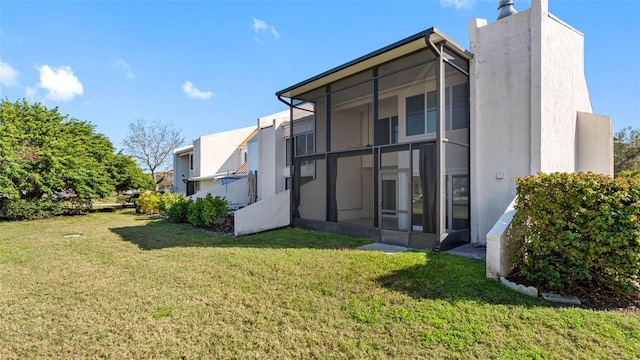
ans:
x=399 y=48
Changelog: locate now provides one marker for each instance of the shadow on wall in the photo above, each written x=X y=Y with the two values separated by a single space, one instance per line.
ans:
x=452 y=278
x=160 y=234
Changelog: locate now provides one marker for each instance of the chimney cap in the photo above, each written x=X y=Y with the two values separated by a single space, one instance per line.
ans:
x=505 y=8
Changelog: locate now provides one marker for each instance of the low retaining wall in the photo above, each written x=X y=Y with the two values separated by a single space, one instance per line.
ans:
x=498 y=240
x=267 y=214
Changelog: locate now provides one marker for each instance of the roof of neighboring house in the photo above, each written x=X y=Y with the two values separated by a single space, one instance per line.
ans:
x=403 y=47
x=244 y=143
x=183 y=150
x=242 y=169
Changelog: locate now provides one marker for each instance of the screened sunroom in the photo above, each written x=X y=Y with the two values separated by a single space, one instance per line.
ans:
x=387 y=153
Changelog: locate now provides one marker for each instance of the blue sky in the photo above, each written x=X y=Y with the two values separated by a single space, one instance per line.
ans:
x=210 y=66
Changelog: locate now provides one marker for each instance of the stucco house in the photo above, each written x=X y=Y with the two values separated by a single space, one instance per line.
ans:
x=416 y=143
x=211 y=161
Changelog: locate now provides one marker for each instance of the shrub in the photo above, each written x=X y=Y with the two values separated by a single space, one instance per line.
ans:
x=214 y=210
x=124 y=199
x=578 y=229
x=207 y=211
x=30 y=209
x=194 y=212
x=174 y=206
x=147 y=202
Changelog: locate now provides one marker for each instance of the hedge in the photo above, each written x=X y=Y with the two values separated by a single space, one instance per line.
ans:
x=578 y=229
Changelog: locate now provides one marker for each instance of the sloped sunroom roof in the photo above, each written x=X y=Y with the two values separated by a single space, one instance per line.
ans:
x=398 y=49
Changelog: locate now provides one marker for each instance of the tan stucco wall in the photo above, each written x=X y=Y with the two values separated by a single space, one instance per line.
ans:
x=594 y=144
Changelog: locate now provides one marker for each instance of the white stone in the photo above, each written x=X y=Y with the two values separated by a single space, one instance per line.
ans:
x=561 y=299
x=527 y=290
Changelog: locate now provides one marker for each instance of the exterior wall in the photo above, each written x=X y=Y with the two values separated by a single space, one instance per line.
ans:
x=267 y=170
x=217 y=153
x=500 y=82
x=252 y=219
x=594 y=144
x=527 y=87
x=180 y=172
x=235 y=192
x=563 y=91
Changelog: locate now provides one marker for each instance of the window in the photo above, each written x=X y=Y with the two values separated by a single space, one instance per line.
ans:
x=303 y=145
x=456 y=111
x=415 y=115
x=387 y=131
x=191 y=161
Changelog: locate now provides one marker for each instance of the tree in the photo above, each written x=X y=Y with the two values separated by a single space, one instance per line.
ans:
x=151 y=144
x=626 y=150
x=127 y=175
x=44 y=153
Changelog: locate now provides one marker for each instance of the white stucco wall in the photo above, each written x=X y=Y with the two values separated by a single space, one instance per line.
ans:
x=500 y=84
x=563 y=92
x=236 y=192
x=266 y=214
x=527 y=86
x=181 y=168
x=217 y=153
x=267 y=169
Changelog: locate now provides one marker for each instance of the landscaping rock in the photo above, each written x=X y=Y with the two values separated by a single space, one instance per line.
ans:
x=561 y=299
x=527 y=290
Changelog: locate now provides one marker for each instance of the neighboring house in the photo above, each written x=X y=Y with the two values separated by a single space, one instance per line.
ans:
x=165 y=180
x=211 y=161
x=416 y=143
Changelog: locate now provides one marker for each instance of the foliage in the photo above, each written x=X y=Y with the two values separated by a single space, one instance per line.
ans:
x=45 y=156
x=626 y=150
x=151 y=143
x=127 y=175
x=124 y=199
x=578 y=229
x=29 y=209
x=214 y=210
x=194 y=212
x=174 y=206
x=207 y=212
x=147 y=202
x=43 y=153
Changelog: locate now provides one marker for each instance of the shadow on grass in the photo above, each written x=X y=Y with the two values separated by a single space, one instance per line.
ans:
x=160 y=234
x=451 y=278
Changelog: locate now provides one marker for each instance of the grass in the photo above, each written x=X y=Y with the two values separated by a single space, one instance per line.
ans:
x=138 y=287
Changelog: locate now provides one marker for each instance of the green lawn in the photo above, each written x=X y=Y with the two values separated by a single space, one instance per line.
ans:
x=136 y=287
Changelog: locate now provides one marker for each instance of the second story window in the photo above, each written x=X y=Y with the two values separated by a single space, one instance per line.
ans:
x=303 y=144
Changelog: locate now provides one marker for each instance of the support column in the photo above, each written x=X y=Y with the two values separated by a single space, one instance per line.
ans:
x=440 y=150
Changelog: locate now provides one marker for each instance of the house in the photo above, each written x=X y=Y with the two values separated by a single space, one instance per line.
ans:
x=415 y=144
x=211 y=161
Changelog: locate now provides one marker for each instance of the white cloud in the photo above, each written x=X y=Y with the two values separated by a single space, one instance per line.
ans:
x=261 y=25
x=8 y=75
x=120 y=63
x=194 y=92
x=458 y=4
x=60 y=82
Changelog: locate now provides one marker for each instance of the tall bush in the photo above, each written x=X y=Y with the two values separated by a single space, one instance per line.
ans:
x=207 y=211
x=174 y=206
x=578 y=229
x=147 y=202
